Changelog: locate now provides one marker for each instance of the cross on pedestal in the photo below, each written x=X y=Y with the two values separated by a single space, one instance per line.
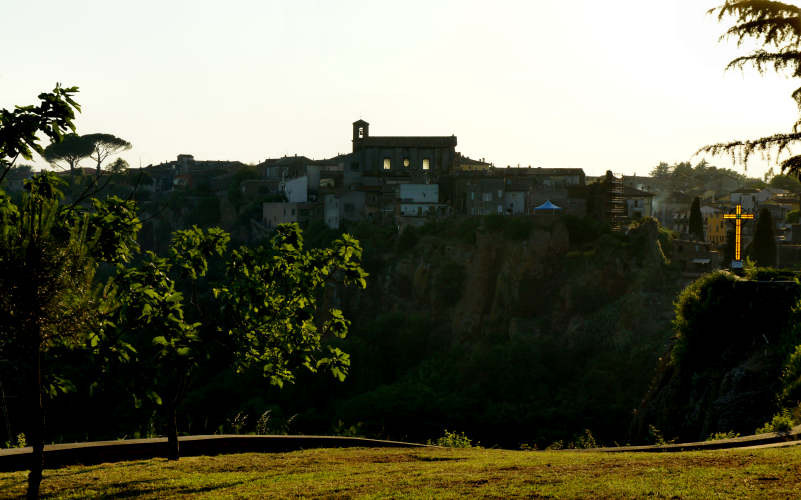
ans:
x=738 y=217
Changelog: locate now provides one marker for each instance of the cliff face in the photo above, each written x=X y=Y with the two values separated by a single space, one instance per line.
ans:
x=567 y=333
x=500 y=286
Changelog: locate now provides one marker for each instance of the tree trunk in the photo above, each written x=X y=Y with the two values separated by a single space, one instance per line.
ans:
x=37 y=433
x=172 y=433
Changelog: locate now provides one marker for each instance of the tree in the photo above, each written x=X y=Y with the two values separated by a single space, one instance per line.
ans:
x=763 y=248
x=104 y=145
x=70 y=150
x=150 y=315
x=19 y=128
x=48 y=254
x=696 y=222
x=776 y=26
x=269 y=303
x=118 y=166
x=787 y=182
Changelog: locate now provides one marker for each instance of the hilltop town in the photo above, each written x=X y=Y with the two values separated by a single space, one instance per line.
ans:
x=410 y=180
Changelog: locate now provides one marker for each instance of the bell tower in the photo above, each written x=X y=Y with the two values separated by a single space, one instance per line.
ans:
x=361 y=130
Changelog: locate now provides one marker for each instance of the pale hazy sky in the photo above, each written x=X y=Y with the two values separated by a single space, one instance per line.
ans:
x=618 y=85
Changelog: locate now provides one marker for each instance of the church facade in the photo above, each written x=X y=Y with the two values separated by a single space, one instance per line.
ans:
x=392 y=155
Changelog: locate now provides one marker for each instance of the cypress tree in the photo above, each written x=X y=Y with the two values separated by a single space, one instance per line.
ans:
x=696 y=228
x=763 y=249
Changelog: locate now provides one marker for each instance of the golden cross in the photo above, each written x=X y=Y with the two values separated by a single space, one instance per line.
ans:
x=738 y=217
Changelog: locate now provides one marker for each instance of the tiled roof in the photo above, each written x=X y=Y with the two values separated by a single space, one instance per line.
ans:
x=407 y=141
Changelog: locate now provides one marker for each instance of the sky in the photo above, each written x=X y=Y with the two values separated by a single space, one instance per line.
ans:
x=618 y=86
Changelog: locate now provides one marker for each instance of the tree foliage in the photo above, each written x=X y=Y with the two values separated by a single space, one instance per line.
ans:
x=70 y=150
x=19 y=127
x=763 y=248
x=104 y=145
x=776 y=26
x=696 y=222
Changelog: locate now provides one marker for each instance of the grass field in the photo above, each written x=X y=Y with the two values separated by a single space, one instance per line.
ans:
x=434 y=473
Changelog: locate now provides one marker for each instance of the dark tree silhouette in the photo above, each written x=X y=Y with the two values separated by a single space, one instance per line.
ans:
x=696 y=222
x=70 y=150
x=763 y=248
x=776 y=26
x=105 y=145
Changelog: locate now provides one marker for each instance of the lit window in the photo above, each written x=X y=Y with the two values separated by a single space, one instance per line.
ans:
x=426 y=163
x=387 y=164
x=406 y=163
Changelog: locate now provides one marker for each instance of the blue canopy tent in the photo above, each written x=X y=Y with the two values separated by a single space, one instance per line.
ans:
x=547 y=206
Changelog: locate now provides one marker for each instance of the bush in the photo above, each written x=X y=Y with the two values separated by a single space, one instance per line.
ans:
x=723 y=435
x=657 y=438
x=583 y=230
x=583 y=441
x=782 y=423
x=453 y=440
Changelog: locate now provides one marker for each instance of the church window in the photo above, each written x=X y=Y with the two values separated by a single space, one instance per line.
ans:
x=361 y=132
x=406 y=163
x=500 y=194
x=472 y=195
x=426 y=163
x=387 y=164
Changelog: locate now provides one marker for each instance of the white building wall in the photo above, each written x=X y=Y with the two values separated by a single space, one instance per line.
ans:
x=297 y=190
x=332 y=212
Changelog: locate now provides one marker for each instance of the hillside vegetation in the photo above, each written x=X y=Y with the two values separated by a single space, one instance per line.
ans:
x=515 y=331
x=724 y=371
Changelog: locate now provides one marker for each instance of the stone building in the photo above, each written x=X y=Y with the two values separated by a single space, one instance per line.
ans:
x=400 y=154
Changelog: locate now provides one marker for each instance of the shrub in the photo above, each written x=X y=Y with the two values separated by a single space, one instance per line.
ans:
x=782 y=423
x=657 y=438
x=269 y=425
x=21 y=442
x=453 y=440
x=583 y=230
x=723 y=435
x=583 y=441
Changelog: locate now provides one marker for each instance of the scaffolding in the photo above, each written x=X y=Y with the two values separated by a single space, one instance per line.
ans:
x=615 y=205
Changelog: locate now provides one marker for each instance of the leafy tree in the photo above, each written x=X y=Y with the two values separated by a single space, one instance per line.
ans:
x=776 y=26
x=763 y=248
x=104 y=145
x=19 y=128
x=661 y=170
x=49 y=253
x=70 y=150
x=271 y=315
x=696 y=221
x=118 y=166
x=787 y=182
x=271 y=304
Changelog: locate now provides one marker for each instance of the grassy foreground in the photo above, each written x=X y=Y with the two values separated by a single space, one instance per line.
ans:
x=434 y=473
